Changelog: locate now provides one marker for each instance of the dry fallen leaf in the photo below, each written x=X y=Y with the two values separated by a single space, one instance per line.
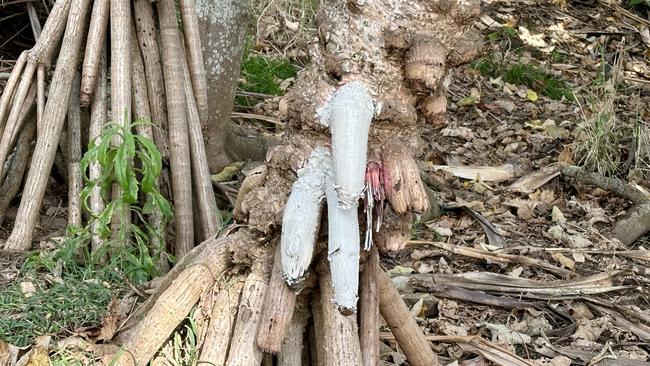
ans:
x=564 y=261
x=27 y=288
x=557 y=216
x=560 y=361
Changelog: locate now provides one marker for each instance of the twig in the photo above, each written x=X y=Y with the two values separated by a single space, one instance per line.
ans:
x=257 y=116
x=251 y=94
x=406 y=331
x=495 y=257
x=613 y=185
x=478 y=345
x=33 y=20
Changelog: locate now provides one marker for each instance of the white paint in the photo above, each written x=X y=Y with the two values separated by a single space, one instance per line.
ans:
x=348 y=114
x=302 y=216
x=343 y=249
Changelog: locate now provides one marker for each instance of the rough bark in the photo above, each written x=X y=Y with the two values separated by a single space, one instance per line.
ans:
x=40 y=96
x=174 y=303
x=74 y=156
x=222 y=320
x=225 y=21
x=178 y=134
x=369 y=310
x=141 y=111
x=339 y=332
x=13 y=127
x=278 y=310
x=120 y=13
x=362 y=43
x=316 y=340
x=291 y=353
x=195 y=57
x=42 y=52
x=243 y=347
x=17 y=165
x=209 y=217
x=120 y=16
x=54 y=116
x=98 y=118
x=8 y=90
x=94 y=45
x=149 y=47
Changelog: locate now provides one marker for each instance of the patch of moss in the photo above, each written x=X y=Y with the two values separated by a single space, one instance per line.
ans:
x=505 y=32
x=263 y=74
x=525 y=74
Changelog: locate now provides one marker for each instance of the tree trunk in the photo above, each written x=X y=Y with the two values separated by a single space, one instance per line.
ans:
x=225 y=21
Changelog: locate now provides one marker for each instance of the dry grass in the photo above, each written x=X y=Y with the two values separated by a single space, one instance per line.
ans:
x=642 y=153
x=600 y=133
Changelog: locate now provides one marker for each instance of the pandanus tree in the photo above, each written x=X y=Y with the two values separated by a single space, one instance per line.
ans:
x=342 y=186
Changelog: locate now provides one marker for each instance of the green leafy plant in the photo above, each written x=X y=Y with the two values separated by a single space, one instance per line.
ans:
x=505 y=32
x=133 y=165
x=639 y=2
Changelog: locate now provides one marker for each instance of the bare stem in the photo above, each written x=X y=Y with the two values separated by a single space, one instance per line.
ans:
x=54 y=116
x=94 y=46
x=74 y=156
x=195 y=58
x=178 y=134
x=209 y=215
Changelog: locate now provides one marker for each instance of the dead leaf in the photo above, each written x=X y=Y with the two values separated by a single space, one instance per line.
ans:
x=560 y=361
x=557 y=216
x=485 y=173
x=40 y=353
x=27 y=288
x=564 y=261
x=501 y=334
x=591 y=329
x=506 y=105
x=462 y=132
x=535 y=40
x=110 y=322
x=571 y=241
x=8 y=354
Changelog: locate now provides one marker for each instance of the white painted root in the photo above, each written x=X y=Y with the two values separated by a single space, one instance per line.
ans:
x=343 y=250
x=302 y=216
x=348 y=114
